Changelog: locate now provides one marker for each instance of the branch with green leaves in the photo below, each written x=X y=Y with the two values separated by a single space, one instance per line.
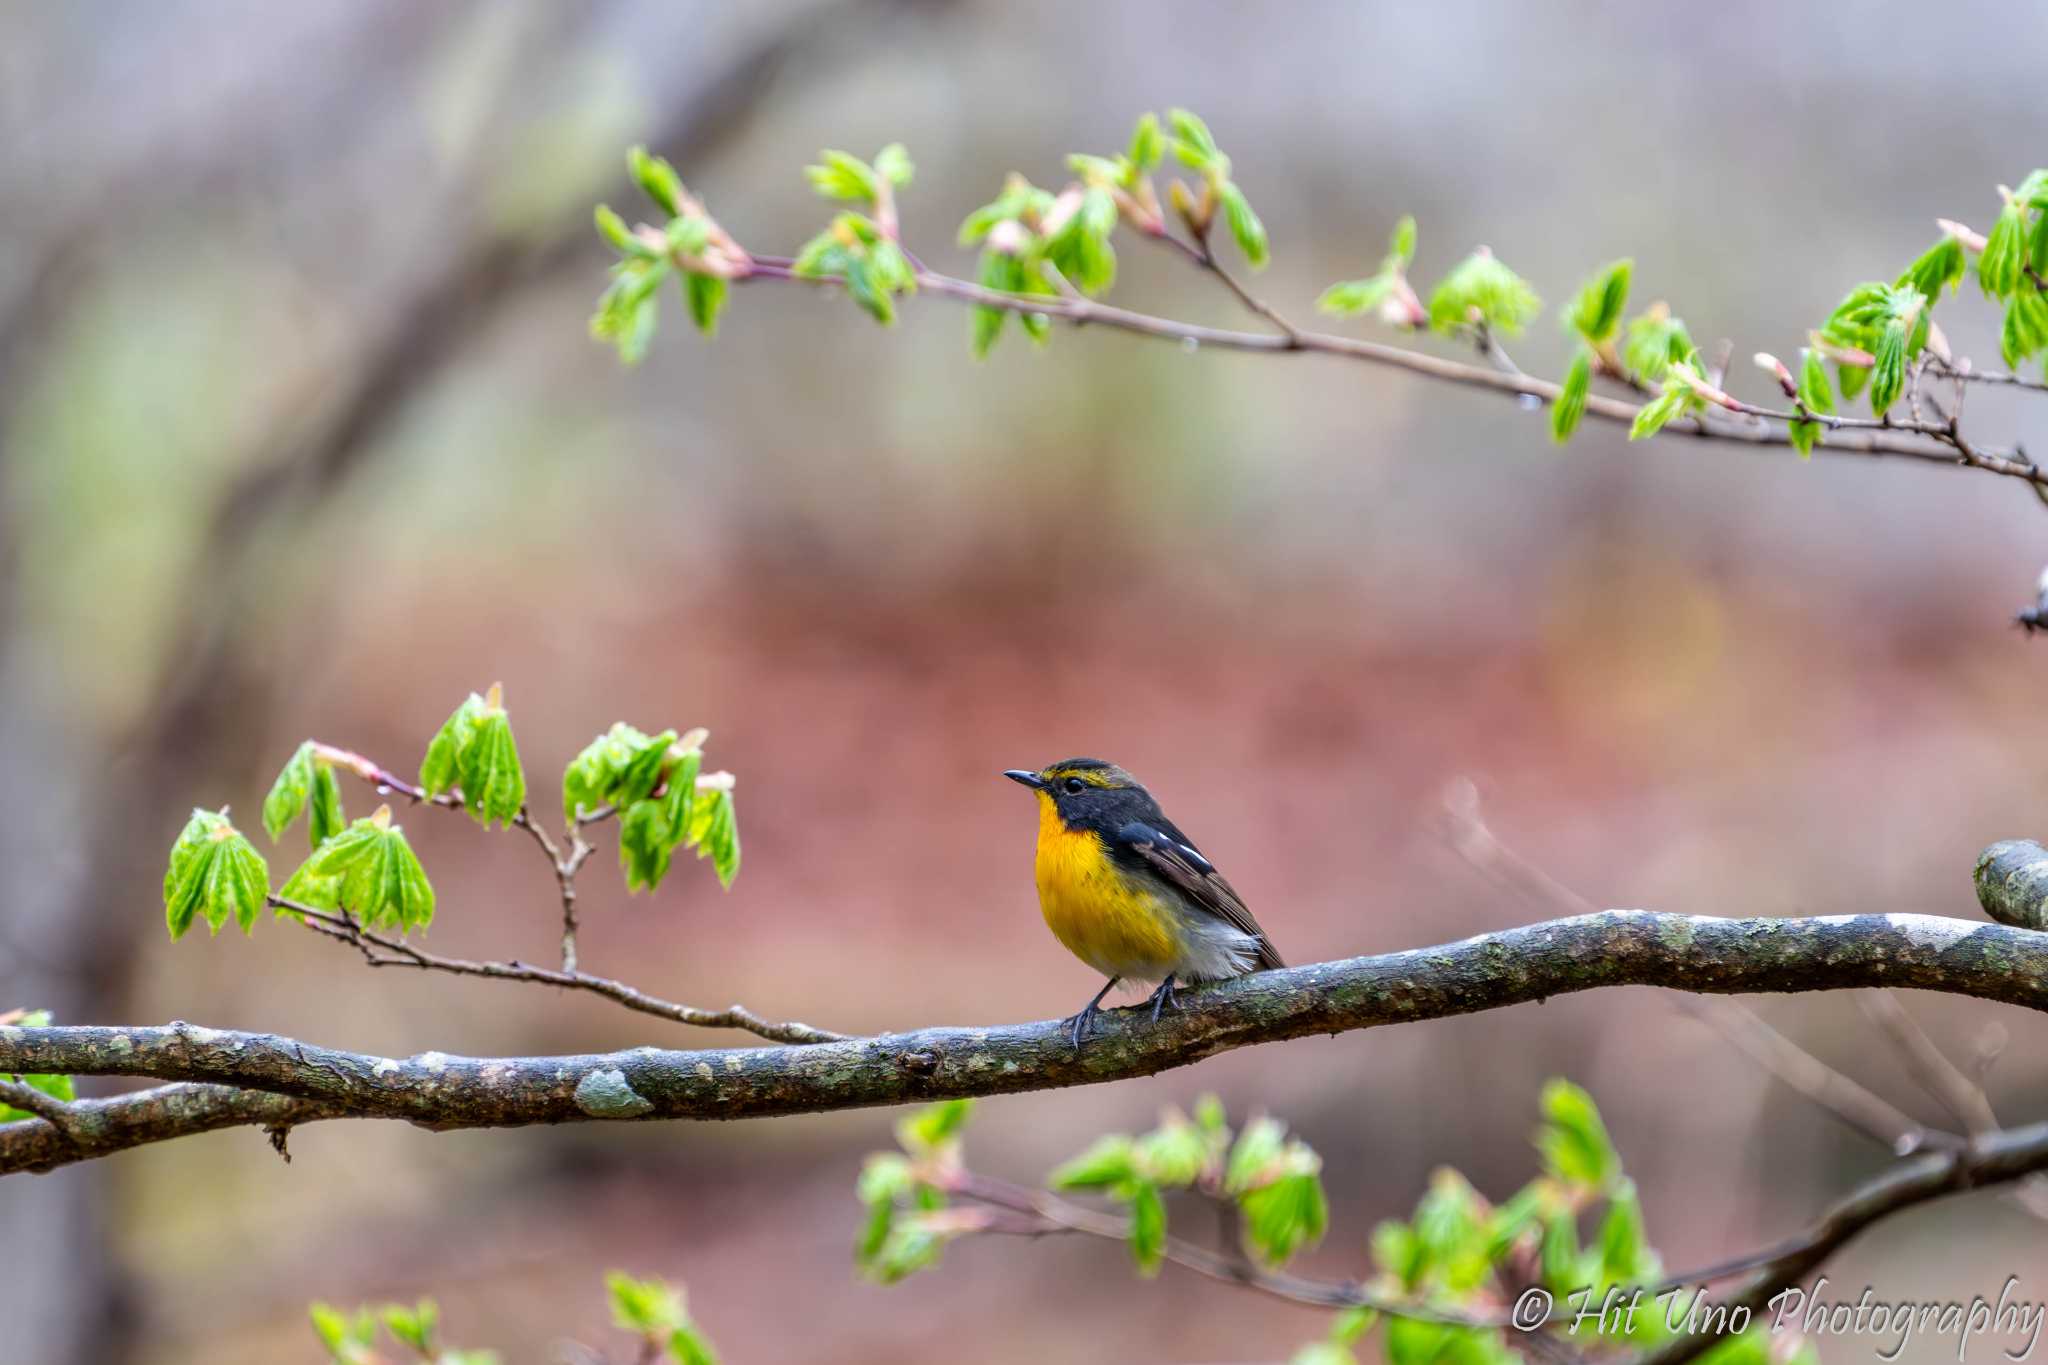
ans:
x=652 y=1312
x=1464 y=1278
x=362 y=884
x=1048 y=255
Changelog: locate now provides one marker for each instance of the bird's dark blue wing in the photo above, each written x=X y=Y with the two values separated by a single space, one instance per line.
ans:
x=1156 y=847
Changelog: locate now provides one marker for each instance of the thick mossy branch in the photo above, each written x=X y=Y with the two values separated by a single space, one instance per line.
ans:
x=1612 y=948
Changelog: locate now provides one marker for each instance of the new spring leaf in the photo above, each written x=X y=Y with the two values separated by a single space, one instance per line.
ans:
x=370 y=871
x=475 y=753
x=1482 y=291
x=216 y=874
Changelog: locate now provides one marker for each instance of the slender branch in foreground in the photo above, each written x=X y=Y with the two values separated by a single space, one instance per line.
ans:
x=1994 y=1159
x=1039 y=1213
x=1991 y=1159
x=1515 y=966
x=1929 y=441
x=385 y=950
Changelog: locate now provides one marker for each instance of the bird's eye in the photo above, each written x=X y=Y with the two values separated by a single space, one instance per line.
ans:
x=1075 y=786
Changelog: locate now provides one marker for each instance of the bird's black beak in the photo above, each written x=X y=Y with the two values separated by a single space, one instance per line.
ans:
x=1029 y=779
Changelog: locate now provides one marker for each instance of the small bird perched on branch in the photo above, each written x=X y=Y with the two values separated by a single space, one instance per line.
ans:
x=1128 y=893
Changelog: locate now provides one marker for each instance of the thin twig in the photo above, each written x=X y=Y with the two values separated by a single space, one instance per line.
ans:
x=1045 y=1213
x=396 y=952
x=1929 y=1065
x=1852 y=436
x=1839 y=1095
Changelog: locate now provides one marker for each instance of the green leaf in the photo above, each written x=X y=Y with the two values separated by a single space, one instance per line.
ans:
x=1174 y=1153
x=1803 y=435
x=1148 y=144
x=1851 y=379
x=885 y=1178
x=593 y=776
x=1192 y=142
x=705 y=295
x=1888 y=374
x=647 y=843
x=413 y=1327
x=327 y=818
x=1401 y=246
x=1941 y=264
x=1574 y=1142
x=1482 y=290
x=650 y=1308
x=840 y=175
x=1595 y=311
x=2001 y=265
x=1289 y=1213
x=657 y=178
x=214 y=873
x=1245 y=227
x=999 y=270
x=1571 y=402
x=1349 y=298
x=370 y=871
x=934 y=1125
x=474 y=752
x=1397 y=1252
x=1109 y=1161
x=722 y=842
x=1655 y=339
x=288 y=794
x=912 y=1245
x=2025 y=330
x=892 y=163
x=1259 y=1146
x=1506 y=1223
x=1625 y=1255
x=348 y=1341
x=1352 y=1324
x=613 y=229
x=1814 y=390
x=1148 y=1225
x=688 y=1346
x=679 y=799
x=1653 y=415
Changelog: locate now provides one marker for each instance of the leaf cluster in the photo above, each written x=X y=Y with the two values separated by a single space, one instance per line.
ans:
x=351 y=1338
x=689 y=245
x=651 y=781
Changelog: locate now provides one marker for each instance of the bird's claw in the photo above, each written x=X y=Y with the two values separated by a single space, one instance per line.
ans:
x=1163 y=997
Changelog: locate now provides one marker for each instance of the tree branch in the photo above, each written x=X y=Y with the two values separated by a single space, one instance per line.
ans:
x=1993 y=1159
x=1933 y=442
x=102 y=1127
x=384 y=950
x=1532 y=963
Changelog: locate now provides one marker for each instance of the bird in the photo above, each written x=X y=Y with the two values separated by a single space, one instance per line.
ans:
x=1130 y=895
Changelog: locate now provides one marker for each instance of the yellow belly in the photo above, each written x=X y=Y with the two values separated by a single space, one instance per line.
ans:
x=1104 y=918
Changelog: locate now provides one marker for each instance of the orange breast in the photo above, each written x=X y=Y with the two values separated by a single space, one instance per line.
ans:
x=1106 y=919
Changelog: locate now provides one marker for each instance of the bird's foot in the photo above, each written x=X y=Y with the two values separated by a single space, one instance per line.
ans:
x=1163 y=997
x=1081 y=1025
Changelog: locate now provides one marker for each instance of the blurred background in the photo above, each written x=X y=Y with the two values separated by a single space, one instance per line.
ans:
x=304 y=435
